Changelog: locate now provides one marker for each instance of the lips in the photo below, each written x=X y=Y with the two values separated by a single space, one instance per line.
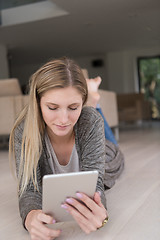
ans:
x=62 y=126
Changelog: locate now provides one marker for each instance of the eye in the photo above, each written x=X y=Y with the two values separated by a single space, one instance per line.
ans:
x=52 y=108
x=73 y=108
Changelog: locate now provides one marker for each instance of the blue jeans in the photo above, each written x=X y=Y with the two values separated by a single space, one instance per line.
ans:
x=108 y=132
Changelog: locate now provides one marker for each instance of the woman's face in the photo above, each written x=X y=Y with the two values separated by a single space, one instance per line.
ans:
x=61 y=109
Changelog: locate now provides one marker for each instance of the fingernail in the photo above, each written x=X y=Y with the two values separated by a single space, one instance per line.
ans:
x=64 y=206
x=99 y=193
x=53 y=221
x=79 y=195
x=69 y=200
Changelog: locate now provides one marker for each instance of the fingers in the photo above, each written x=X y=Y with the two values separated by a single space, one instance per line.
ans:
x=97 y=199
x=89 y=213
x=83 y=216
x=94 y=204
x=43 y=232
x=83 y=209
x=35 y=224
x=45 y=218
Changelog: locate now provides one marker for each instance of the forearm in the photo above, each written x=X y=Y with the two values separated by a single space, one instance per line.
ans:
x=29 y=201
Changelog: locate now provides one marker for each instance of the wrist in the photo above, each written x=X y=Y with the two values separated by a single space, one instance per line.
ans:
x=28 y=219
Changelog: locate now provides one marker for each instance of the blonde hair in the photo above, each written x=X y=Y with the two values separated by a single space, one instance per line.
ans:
x=58 y=73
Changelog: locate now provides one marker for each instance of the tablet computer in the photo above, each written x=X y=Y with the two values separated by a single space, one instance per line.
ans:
x=57 y=187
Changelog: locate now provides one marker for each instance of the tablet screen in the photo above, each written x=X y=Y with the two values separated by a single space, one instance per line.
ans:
x=57 y=187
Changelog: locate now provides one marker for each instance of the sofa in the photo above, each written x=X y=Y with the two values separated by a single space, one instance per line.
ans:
x=108 y=103
x=132 y=107
x=12 y=101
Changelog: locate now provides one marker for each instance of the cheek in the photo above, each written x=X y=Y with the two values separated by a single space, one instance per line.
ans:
x=47 y=116
x=75 y=116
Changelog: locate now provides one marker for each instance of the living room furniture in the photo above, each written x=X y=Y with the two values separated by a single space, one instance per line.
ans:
x=133 y=107
x=12 y=101
x=108 y=103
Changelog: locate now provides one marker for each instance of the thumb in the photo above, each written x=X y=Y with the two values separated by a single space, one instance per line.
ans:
x=97 y=198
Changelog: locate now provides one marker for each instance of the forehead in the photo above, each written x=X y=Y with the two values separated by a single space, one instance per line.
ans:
x=58 y=95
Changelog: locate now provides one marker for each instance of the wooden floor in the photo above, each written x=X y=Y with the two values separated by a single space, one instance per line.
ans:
x=133 y=203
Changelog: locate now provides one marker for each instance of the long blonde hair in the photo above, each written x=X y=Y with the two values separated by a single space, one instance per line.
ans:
x=58 y=73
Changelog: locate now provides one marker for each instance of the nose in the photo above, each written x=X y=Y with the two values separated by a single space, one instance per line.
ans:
x=63 y=117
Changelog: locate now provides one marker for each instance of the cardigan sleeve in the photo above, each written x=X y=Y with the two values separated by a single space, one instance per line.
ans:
x=31 y=199
x=91 y=145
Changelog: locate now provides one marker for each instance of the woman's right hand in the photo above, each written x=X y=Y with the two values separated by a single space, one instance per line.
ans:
x=35 y=224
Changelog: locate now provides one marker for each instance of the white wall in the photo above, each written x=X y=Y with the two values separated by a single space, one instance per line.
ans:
x=119 y=72
x=86 y=62
x=4 y=72
x=122 y=74
x=24 y=71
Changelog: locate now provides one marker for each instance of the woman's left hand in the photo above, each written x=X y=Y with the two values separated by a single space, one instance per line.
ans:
x=89 y=215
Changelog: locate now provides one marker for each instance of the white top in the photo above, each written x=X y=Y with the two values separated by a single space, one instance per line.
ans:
x=73 y=164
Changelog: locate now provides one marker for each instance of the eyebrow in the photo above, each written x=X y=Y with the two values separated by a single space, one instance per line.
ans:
x=72 y=104
x=52 y=103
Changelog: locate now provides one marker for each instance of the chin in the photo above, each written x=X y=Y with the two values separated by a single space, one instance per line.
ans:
x=61 y=132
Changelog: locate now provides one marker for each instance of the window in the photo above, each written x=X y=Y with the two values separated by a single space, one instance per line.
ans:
x=149 y=82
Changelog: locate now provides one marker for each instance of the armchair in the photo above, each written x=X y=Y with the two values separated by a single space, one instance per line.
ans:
x=133 y=107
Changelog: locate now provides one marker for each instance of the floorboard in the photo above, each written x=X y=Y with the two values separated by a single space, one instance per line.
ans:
x=133 y=202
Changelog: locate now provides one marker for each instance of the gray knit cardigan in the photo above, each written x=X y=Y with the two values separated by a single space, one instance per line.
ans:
x=90 y=146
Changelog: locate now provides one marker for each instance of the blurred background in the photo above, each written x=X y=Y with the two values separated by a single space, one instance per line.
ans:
x=118 y=40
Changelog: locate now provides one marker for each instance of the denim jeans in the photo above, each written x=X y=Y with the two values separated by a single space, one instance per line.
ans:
x=108 y=132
